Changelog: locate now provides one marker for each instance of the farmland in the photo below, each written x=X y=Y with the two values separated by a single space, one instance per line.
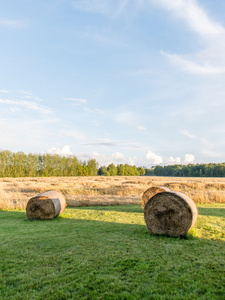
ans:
x=100 y=248
x=106 y=252
x=103 y=190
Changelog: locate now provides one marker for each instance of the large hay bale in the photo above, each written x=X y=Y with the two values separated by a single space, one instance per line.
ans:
x=171 y=213
x=46 y=206
x=149 y=193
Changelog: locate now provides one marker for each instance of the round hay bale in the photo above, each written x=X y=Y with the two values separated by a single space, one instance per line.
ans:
x=149 y=193
x=171 y=213
x=46 y=206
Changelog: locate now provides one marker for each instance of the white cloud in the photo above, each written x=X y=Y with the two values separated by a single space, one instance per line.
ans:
x=173 y=160
x=4 y=91
x=188 y=134
x=133 y=161
x=189 y=158
x=27 y=105
x=77 y=100
x=153 y=158
x=103 y=159
x=26 y=92
x=64 y=151
x=210 y=61
x=118 y=155
x=193 y=67
x=119 y=158
x=11 y=23
x=34 y=106
x=115 y=158
x=33 y=98
x=194 y=16
x=96 y=110
x=140 y=127
x=72 y=133
x=15 y=109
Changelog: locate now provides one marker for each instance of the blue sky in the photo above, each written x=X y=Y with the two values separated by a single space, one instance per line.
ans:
x=123 y=81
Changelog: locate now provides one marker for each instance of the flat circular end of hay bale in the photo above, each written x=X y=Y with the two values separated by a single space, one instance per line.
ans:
x=58 y=199
x=149 y=193
x=170 y=213
x=40 y=208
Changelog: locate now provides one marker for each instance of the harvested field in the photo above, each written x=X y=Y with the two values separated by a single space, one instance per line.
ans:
x=103 y=190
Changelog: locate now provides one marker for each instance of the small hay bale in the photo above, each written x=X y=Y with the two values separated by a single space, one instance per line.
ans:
x=46 y=206
x=171 y=213
x=149 y=193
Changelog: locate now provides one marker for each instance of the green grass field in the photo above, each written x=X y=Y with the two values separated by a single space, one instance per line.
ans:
x=108 y=253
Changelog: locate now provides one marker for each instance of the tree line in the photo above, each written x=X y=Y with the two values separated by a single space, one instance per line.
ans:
x=36 y=165
x=190 y=170
x=20 y=164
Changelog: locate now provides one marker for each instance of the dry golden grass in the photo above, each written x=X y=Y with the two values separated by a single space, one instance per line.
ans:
x=103 y=190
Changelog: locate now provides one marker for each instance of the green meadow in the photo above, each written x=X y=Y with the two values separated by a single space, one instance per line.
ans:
x=106 y=252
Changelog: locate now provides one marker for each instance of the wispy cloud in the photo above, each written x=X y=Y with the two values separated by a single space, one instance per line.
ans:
x=192 y=66
x=141 y=127
x=95 y=110
x=11 y=23
x=77 y=100
x=104 y=142
x=115 y=143
x=194 y=15
x=210 y=61
x=188 y=134
x=4 y=91
x=33 y=98
x=26 y=92
x=27 y=105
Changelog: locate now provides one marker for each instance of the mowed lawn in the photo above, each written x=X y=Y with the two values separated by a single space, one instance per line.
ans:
x=108 y=253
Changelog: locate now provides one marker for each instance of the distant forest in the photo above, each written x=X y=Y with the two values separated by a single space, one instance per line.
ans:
x=39 y=165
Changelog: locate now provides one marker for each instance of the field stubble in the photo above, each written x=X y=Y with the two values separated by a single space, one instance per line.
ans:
x=101 y=190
